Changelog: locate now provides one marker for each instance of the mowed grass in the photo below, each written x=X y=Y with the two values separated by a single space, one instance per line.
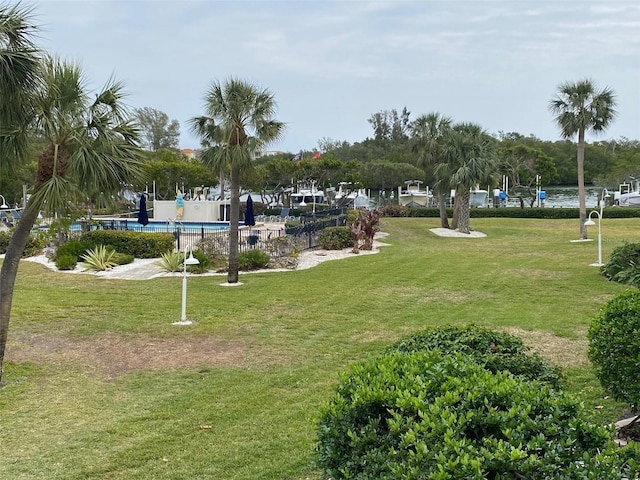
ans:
x=100 y=385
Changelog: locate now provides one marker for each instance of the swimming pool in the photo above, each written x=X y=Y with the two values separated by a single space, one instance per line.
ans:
x=153 y=226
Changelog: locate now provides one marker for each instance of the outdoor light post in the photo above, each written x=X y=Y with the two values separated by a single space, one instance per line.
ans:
x=590 y=222
x=4 y=202
x=191 y=260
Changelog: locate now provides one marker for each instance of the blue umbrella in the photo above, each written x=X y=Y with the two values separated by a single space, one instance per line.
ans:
x=143 y=217
x=249 y=218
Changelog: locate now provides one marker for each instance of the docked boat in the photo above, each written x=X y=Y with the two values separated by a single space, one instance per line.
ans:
x=478 y=198
x=628 y=194
x=350 y=197
x=307 y=196
x=413 y=196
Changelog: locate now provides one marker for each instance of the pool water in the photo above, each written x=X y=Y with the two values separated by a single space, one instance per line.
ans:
x=153 y=226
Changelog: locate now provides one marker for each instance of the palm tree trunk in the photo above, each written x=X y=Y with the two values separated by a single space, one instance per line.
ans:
x=234 y=220
x=444 y=220
x=462 y=208
x=10 y=270
x=581 y=192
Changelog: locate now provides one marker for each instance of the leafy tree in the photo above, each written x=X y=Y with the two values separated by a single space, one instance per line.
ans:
x=91 y=145
x=388 y=125
x=429 y=133
x=168 y=168
x=238 y=122
x=470 y=155
x=579 y=107
x=522 y=164
x=157 y=131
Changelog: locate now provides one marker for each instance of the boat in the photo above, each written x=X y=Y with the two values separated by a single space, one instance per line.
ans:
x=628 y=194
x=307 y=196
x=478 y=198
x=412 y=196
x=351 y=198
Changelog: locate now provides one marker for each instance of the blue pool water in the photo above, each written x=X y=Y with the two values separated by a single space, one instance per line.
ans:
x=154 y=226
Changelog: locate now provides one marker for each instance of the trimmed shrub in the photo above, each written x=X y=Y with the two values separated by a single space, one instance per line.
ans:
x=426 y=415
x=75 y=248
x=138 y=244
x=495 y=351
x=624 y=265
x=66 y=262
x=335 y=238
x=614 y=347
x=253 y=260
x=122 y=258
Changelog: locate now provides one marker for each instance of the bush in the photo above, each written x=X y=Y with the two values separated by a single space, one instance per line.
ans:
x=614 y=347
x=122 y=258
x=66 y=262
x=495 y=351
x=34 y=246
x=624 y=265
x=396 y=211
x=138 y=244
x=426 y=415
x=253 y=260
x=204 y=265
x=335 y=238
x=75 y=248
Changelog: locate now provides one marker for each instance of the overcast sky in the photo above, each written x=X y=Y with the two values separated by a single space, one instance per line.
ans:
x=332 y=64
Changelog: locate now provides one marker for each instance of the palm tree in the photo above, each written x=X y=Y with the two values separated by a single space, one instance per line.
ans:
x=90 y=146
x=19 y=77
x=428 y=136
x=238 y=123
x=471 y=161
x=579 y=107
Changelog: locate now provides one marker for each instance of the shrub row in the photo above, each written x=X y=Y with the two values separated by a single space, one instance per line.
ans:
x=545 y=213
x=140 y=245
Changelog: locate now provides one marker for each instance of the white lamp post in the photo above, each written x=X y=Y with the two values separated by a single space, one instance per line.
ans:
x=191 y=260
x=590 y=222
x=4 y=203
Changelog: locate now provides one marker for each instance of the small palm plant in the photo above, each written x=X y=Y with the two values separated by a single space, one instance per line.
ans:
x=99 y=259
x=171 y=261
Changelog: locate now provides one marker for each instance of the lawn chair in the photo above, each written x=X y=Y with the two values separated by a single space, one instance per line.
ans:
x=283 y=217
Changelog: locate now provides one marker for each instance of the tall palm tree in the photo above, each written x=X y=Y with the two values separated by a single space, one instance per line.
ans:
x=19 y=78
x=90 y=145
x=428 y=137
x=238 y=123
x=471 y=161
x=579 y=107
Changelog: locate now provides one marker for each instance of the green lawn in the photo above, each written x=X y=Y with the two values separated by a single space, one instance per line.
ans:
x=106 y=388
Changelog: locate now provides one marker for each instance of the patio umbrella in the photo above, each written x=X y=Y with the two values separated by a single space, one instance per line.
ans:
x=143 y=217
x=249 y=218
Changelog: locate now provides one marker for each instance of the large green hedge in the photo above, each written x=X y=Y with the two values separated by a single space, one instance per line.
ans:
x=138 y=244
x=548 y=212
